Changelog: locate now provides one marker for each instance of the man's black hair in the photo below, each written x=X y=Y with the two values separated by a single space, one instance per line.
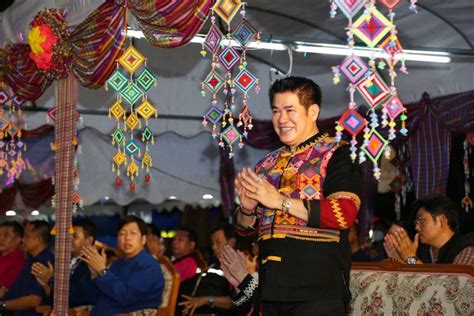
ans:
x=228 y=229
x=133 y=219
x=17 y=228
x=191 y=233
x=153 y=230
x=41 y=229
x=440 y=205
x=88 y=227
x=307 y=90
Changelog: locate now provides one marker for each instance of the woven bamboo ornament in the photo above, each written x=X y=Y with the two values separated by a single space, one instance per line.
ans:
x=225 y=57
x=131 y=82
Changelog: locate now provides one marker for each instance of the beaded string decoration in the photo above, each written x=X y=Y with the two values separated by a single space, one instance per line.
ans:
x=392 y=54
x=12 y=163
x=370 y=27
x=228 y=50
x=468 y=144
x=131 y=106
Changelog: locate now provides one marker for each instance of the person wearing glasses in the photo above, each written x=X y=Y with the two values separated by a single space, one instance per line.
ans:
x=437 y=225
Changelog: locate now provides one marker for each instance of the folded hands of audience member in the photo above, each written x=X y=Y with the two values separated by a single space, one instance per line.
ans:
x=234 y=265
x=42 y=273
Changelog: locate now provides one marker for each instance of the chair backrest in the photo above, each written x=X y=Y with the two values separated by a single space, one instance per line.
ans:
x=143 y=312
x=171 y=288
x=394 y=288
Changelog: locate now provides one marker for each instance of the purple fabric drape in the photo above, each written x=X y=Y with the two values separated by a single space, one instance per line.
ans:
x=430 y=142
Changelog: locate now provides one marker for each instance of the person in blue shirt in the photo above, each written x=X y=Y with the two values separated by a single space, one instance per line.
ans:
x=133 y=282
x=82 y=290
x=27 y=293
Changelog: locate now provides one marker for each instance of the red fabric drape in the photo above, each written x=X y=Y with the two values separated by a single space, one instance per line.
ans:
x=33 y=195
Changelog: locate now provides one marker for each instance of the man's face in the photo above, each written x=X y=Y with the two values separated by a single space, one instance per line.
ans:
x=130 y=240
x=182 y=245
x=218 y=241
x=291 y=121
x=31 y=240
x=79 y=240
x=8 y=240
x=427 y=227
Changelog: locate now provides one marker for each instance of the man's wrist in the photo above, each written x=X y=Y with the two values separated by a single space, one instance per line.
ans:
x=102 y=272
x=285 y=204
x=245 y=212
x=412 y=260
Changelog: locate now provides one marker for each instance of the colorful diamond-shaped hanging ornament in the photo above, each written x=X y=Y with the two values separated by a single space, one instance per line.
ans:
x=146 y=110
x=52 y=114
x=117 y=81
x=390 y=4
x=147 y=160
x=116 y=110
x=352 y=122
x=229 y=57
x=213 y=115
x=17 y=101
x=146 y=79
x=4 y=97
x=376 y=145
x=391 y=45
x=12 y=129
x=373 y=89
x=245 y=116
x=227 y=9
x=131 y=59
x=354 y=68
x=373 y=28
x=132 y=121
x=132 y=170
x=147 y=134
x=131 y=93
x=244 y=33
x=350 y=7
x=119 y=158
x=394 y=107
x=118 y=137
x=131 y=147
x=230 y=135
x=3 y=124
x=76 y=198
x=213 y=82
x=245 y=80
x=213 y=39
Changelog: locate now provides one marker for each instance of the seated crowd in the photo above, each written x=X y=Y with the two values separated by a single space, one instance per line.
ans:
x=130 y=278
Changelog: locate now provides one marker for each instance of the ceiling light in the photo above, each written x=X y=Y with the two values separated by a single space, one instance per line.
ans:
x=341 y=50
x=172 y=197
x=10 y=213
x=207 y=196
x=325 y=49
x=35 y=213
x=199 y=39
